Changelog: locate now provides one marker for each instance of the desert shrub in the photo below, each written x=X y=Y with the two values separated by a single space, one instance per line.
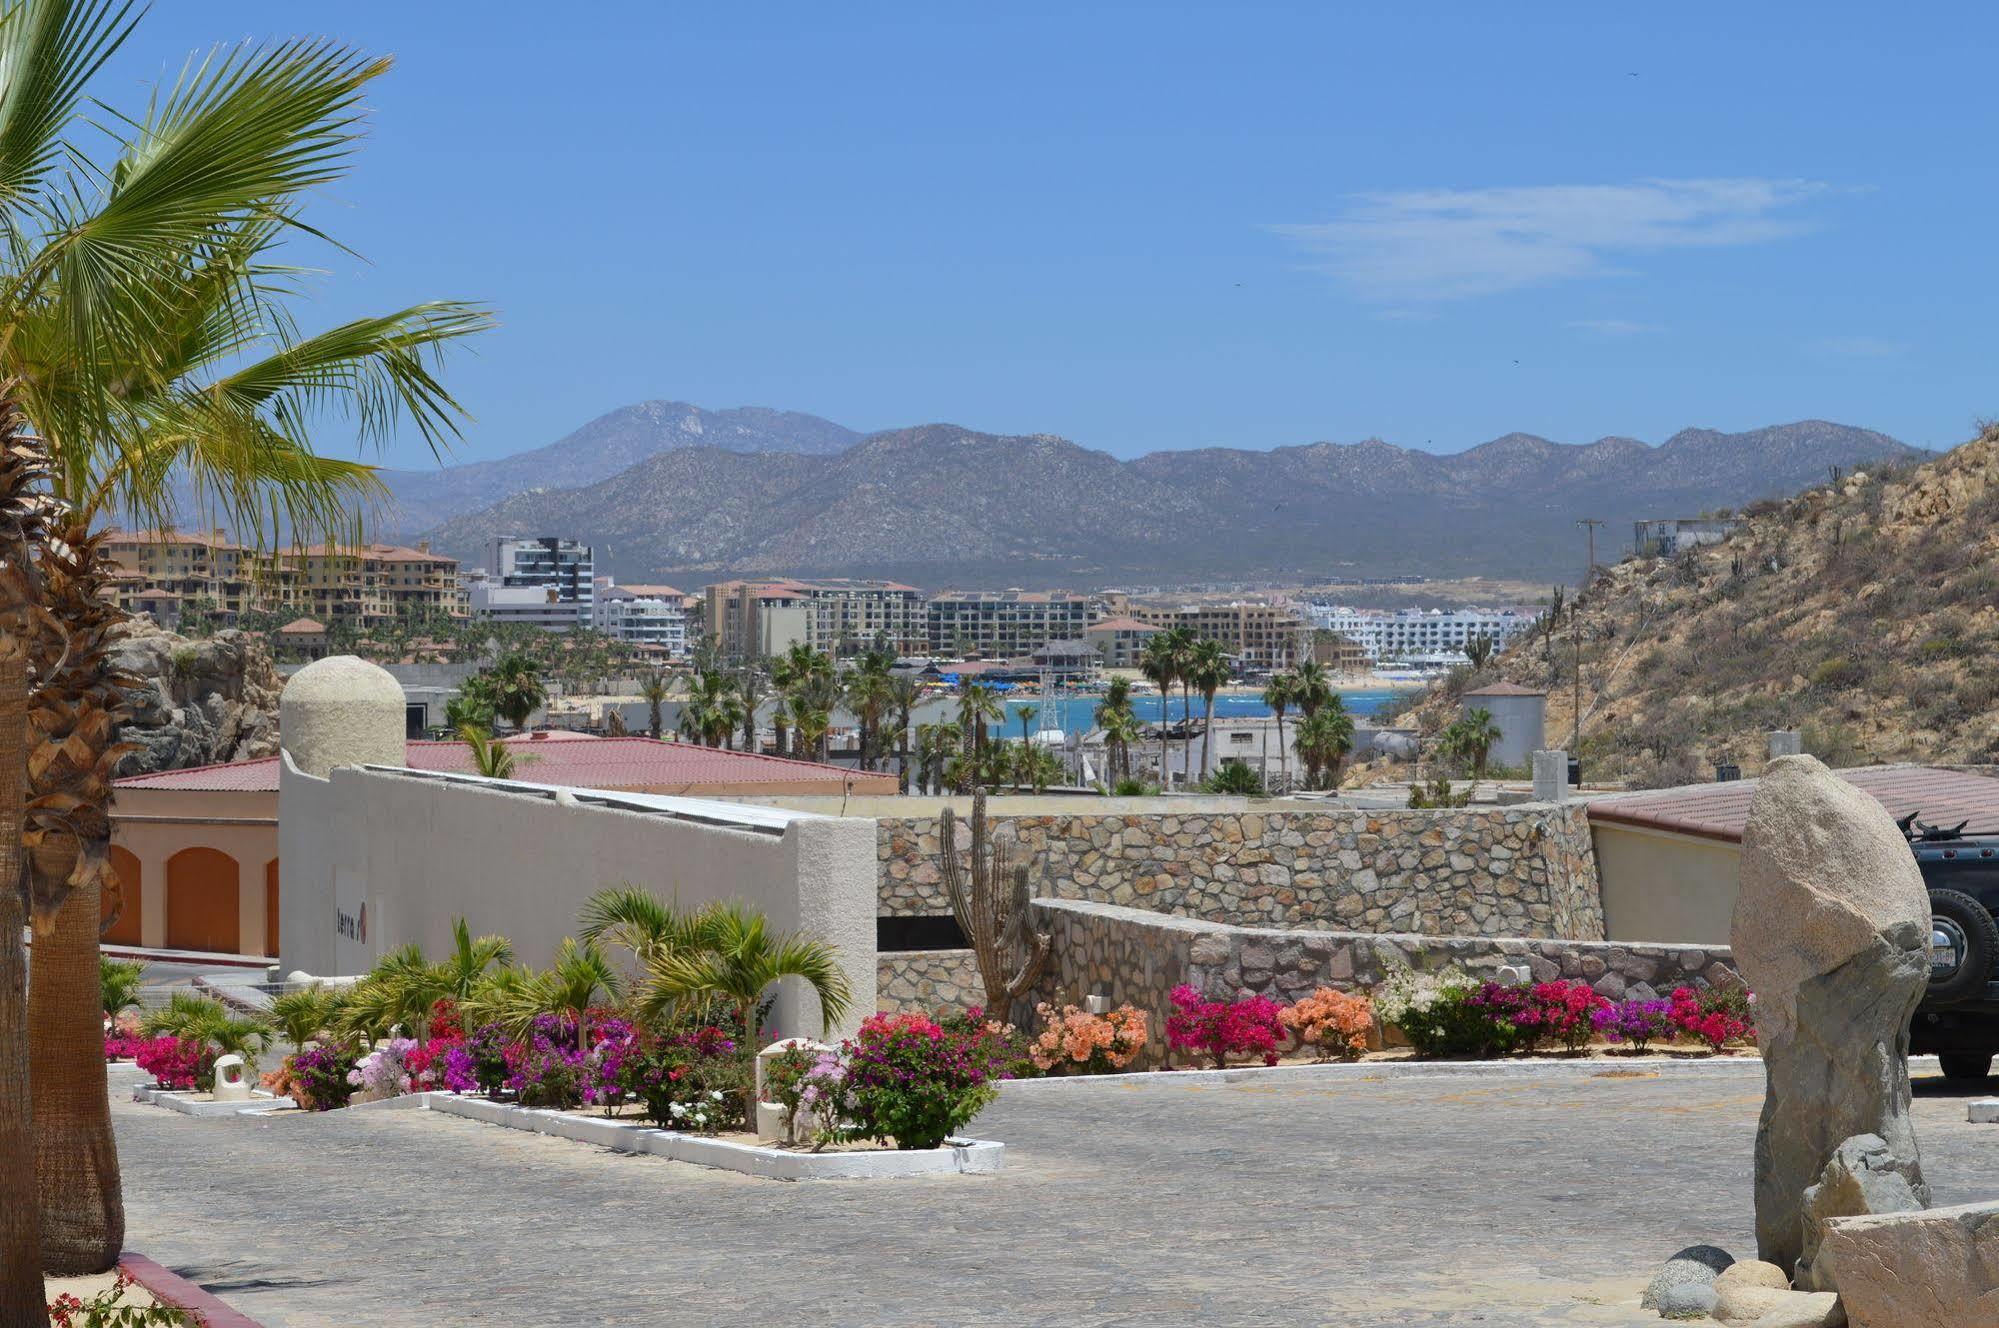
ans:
x=1832 y=742
x=1219 y=1029
x=1435 y=1012
x=1838 y=672
x=1083 y=1043
x=1234 y=778
x=1332 y=1023
x=1976 y=692
x=1134 y=788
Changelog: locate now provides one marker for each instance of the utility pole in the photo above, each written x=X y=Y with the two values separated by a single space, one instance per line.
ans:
x=1590 y=523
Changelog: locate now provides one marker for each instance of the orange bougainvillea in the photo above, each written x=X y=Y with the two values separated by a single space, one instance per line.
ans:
x=1333 y=1023
x=1087 y=1043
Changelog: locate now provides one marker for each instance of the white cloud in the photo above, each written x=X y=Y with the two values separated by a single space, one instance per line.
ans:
x=1447 y=244
x=1859 y=348
x=1612 y=327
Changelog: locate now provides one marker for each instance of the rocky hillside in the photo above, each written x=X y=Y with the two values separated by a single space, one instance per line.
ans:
x=942 y=504
x=1863 y=612
x=603 y=447
x=203 y=701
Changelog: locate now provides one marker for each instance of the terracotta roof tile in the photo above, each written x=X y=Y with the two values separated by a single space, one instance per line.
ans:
x=1719 y=811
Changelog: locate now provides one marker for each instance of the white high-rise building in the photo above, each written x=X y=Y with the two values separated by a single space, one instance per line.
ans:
x=544 y=582
x=641 y=615
x=1410 y=633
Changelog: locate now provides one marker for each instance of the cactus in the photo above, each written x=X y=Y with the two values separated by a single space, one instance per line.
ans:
x=989 y=897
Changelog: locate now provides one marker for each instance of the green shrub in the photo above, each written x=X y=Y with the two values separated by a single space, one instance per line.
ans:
x=1235 y=778
x=1837 y=673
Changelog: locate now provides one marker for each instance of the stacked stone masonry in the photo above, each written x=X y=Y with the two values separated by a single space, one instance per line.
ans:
x=1139 y=956
x=1524 y=870
x=926 y=981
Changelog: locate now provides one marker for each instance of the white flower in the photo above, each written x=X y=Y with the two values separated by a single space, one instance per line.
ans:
x=715 y=1096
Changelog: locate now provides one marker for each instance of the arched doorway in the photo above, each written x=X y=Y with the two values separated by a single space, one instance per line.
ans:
x=125 y=867
x=271 y=909
x=201 y=902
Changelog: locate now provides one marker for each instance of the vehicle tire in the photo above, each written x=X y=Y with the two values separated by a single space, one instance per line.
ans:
x=1976 y=1066
x=1976 y=936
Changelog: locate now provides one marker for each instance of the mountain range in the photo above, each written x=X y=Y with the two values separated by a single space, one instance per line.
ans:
x=666 y=491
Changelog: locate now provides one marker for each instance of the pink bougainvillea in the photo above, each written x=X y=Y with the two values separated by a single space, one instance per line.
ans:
x=1248 y=1025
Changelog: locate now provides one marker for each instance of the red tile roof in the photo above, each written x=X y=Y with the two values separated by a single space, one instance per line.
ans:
x=578 y=760
x=304 y=627
x=1719 y=811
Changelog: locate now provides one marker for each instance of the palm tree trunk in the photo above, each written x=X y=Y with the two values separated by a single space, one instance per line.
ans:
x=1283 y=762
x=1207 y=731
x=21 y=470
x=76 y=1157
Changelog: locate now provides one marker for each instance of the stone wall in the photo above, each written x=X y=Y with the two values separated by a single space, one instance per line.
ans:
x=1524 y=870
x=1139 y=956
x=927 y=981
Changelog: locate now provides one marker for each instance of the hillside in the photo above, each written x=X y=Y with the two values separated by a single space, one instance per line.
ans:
x=1863 y=613
x=603 y=447
x=941 y=504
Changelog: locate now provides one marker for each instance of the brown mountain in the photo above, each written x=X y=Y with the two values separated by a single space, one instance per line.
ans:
x=941 y=504
x=1860 y=612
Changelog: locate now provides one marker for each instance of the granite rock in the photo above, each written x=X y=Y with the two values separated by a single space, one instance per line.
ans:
x=1938 y=1268
x=1863 y=1177
x=1830 y=931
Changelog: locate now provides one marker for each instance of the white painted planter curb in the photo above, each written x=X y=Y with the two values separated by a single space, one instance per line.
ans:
x=957 y=1157
x=174 y=1100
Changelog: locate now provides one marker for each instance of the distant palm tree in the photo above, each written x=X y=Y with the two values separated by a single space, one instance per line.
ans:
x=1476 y=735
x=799 y=667
x=1027 y=714
x=1119 y=723
x=653 y=691
x=1312 y=689
x=516 y=688
x=735 y=957
x=1278 y=694
x=490 y=756
x=1324 y=738
x=904 y=693
x=1207 y=671
x=978 y=705
x=750 y=691
x=868 y=695
x=1162 y=660
x=813 y=701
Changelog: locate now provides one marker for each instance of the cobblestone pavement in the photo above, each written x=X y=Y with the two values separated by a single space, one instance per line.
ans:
x=1543 y=1197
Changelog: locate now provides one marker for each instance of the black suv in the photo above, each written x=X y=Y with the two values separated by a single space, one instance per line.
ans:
x=1959 y=1017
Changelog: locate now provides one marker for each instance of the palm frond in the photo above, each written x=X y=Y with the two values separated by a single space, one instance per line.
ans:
x=49 y=49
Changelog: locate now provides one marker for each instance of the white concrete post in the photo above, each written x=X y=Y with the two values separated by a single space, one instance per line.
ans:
x=1786 y=742
x=1551 y=776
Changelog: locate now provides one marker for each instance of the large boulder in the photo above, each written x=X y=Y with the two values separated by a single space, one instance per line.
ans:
x=199 y=701
x=1831 y=931
x=1938 y=1268
x=1863 y=1177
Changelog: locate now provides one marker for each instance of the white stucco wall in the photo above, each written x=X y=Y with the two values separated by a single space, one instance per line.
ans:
x=1664 y=887
x=421 y=853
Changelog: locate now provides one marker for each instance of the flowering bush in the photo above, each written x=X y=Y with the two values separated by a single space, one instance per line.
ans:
x=1333 y=1023
x=1087 y=1043
x=908 y=1080
x=616 y=1041
x=122 y=1037
x=108 y=1307
x=320 y=1076
x=1220 y=1029
x=381 y=1073
x=1435 y=1012
x=177 y=1063
x=1002 y=1048
x=487 y=1049
x=684 y=1069
x=546 y=1069
x=1635 y=1022
x=1545 y=1011
x=1717 y=1016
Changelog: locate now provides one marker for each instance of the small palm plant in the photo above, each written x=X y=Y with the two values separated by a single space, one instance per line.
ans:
x=202 y=1019
x=736 y=958
x=571 y=987
x=637 y=920
x=470 y=957
x=398 y=992
x=119 y=982
x=490 y=757
x=302 y=1016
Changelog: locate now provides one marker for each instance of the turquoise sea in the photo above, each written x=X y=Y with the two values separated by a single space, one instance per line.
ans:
x=1076 y=712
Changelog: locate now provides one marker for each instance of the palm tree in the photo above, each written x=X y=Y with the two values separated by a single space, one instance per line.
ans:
x=1027 y=714
x=708 y=716
x=472 y=708
x=1311 y=688
x=400 y=990
x=653 y=690
x=935 y=745
x=904 y=692
x=1208 y=672
x=1278 y=694
x=143 y=335
x=1324 y=738
x=117 y=986
x=1119 y=722
x=1161 y=662
x=470 y=957
x=637 y=920
x=186 y=1015
x=571 y=986
x=1476 y=734
x=749 y=695
x=868 y=695
x=301 y=1016
x=978 y=705
x=736 y=958
x=490 y=756
x=516 y=688
x=791 y=671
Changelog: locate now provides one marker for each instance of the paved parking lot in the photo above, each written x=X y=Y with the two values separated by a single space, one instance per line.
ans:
x=1533 y=1198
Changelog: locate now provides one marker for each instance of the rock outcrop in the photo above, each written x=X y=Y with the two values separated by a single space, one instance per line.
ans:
x=1938 y=1268
x=201 y=701
x=1863 y=1177
x=1830 y=931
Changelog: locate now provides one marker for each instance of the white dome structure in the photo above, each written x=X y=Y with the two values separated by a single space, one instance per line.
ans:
x=341 y=710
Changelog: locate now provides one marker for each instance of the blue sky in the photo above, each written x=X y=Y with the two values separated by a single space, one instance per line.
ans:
x=1159 y=226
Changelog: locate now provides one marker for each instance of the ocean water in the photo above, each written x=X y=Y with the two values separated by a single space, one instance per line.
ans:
x=1078 y=712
